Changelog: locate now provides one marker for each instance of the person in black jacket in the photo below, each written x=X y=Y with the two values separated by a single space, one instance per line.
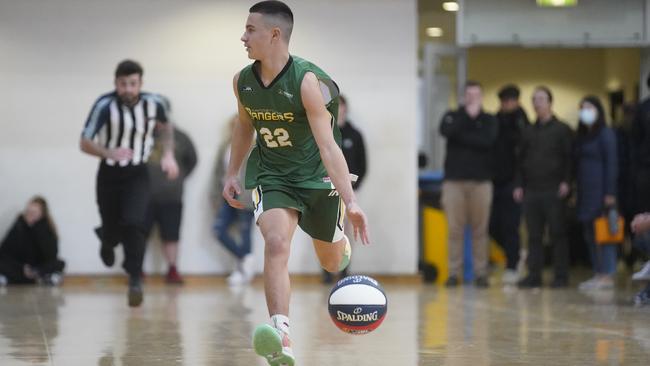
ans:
x=29 y=250
x=542 y=183
x=506 y=213
x=640 y=146
x=467 y=189
x=354 y=151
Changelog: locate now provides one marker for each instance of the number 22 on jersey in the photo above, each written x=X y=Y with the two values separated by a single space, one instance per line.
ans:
x=279 y=137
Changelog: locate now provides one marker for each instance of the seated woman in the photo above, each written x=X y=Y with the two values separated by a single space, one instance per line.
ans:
x=28 y=253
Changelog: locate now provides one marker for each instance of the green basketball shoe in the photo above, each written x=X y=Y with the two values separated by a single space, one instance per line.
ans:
x=273 y=345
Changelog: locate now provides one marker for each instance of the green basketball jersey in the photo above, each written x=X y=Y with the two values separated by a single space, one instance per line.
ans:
x=285 y=151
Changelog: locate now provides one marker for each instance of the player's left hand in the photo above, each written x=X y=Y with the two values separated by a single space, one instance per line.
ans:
x=169 y=166
x=359 y=222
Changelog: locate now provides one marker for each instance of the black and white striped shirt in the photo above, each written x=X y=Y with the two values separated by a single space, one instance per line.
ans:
x=118 y=125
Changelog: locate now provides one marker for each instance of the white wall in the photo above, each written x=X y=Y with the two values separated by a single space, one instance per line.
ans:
x=58 y=56
x=517 y=22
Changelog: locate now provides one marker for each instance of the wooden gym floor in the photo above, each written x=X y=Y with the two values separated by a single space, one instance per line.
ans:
x=86 y=322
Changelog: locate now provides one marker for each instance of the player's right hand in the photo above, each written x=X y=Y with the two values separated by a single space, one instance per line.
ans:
x=119 y=154
x=231 y=188
x=359 y=222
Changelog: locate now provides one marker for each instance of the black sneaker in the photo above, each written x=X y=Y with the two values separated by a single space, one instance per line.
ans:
x=135 y=292
x=481 y=282
x=452 y=281
x=530 y=282
x=560 y=282
x=106 y=252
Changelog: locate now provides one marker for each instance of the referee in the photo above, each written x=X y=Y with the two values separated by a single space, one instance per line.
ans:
x=119 y=131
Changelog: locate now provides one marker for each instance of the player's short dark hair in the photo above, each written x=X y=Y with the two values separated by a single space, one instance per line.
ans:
x=509 y=92
x=277 y=9
x=128 y=67
x=545 y=89
x=472 y=83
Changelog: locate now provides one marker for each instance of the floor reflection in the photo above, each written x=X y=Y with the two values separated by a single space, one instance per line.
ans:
x=29 y=322
x=500 y=326
x=211 y=324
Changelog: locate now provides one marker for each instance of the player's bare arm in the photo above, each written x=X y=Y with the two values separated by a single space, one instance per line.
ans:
x=242 y=138
x=320 y=122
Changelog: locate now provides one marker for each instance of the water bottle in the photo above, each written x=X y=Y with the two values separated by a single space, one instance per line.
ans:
x=612 y=221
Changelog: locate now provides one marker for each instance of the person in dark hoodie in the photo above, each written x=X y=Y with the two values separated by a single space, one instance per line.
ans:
x=506 y=212
x=29 y=251
x=467 y=189
x=166 y=205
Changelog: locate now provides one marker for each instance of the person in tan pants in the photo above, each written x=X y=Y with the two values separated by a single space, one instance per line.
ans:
x=467 y=189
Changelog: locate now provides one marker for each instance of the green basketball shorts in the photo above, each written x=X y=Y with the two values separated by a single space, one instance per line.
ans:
x=321 y=211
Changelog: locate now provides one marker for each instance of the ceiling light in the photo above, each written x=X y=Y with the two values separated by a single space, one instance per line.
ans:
x=556 y=3
x=434 y=32
x=450 y=6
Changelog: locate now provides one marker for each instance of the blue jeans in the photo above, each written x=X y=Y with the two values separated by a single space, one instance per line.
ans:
x=603 y=257
x=227 y=217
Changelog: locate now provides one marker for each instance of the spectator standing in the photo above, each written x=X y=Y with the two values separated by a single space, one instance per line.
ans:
x=542 y=183
x=467 y=188
x=228 y=217
x=596 y=178
x=166 y=206
x=506 y=212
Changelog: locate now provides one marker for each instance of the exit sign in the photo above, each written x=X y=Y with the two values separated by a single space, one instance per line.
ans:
x=556 y=3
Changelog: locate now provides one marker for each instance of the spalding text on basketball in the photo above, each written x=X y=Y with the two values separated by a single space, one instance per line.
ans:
x=356 y=317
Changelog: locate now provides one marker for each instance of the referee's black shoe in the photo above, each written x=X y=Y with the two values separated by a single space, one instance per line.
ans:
x=135 y=294
x=106 y=251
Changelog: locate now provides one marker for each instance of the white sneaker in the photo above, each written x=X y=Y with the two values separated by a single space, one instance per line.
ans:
x=597 y=283
x=589 y=284
x=246 y=267
x=605 y=283
x=236 y=278
x=510 y=277
x=643 y=274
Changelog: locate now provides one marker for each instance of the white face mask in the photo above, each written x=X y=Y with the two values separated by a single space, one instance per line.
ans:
x=588 y=116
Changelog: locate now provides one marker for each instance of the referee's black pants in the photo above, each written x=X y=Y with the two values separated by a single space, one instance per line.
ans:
x=123 y=197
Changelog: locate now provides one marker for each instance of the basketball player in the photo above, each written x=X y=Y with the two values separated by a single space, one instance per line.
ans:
x=294 y=167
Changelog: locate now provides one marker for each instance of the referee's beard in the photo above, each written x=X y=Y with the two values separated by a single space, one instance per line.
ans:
x=129 y=99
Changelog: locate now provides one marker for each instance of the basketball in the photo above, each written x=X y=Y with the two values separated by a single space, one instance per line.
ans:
x=357 y=304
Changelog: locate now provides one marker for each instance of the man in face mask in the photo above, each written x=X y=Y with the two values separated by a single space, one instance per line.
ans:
x=506 y=213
